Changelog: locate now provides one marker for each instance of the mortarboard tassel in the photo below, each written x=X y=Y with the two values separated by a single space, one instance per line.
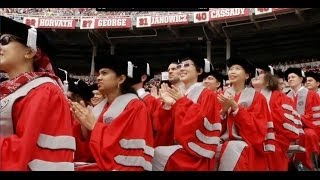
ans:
x=206 y=65
x=303 y=74
x=130 y=69
x=32 y=39
x=148 y=69
x=271 y=70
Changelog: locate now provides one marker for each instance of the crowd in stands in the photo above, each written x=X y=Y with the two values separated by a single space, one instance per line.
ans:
x=87 y=79
x=50 y=11
x=305 y=64
x=73 y=12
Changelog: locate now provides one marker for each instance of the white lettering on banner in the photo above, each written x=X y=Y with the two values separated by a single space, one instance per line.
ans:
x=113 y=23
x=229 y=12
x=60 y=23
x=168 y=20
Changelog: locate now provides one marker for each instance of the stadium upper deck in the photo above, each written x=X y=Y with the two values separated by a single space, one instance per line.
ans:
x=258 y=37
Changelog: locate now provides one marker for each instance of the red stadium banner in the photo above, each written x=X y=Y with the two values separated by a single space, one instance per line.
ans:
x=281 y=9
x=113 y=22
x=164 y=20
x=228 y=13
x=57 y=23
x=260 y=11
x=31 y=21
x=199 y=17
x=87 y=23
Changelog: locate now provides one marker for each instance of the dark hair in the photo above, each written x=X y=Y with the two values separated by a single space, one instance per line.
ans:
x=126 y=87
x=173 y=62
x=247 y=65
x=119 y=66
x=271 y=81
x=196 y=64
x=77 y=98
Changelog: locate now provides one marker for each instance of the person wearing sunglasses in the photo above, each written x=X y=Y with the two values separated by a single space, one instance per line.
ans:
x=35 y=128
x=194 y=118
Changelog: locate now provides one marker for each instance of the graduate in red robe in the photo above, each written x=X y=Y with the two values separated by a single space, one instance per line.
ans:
x=142 y=73
x=214 y=80
x=307 y=104
x=35 y=117
x=196 y=121
x=313 y=81
x=245 y=114
x=284 y=124
x=121 y=139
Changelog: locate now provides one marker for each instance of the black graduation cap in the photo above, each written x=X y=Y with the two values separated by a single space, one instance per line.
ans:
x=140 y=67
x=10 y=26
x=266 y=68
x=296 y=71
x=314 y=75
x=244 y=63
x=114 y=62
x=219 y=77
x=194 y=55
x=24 y=32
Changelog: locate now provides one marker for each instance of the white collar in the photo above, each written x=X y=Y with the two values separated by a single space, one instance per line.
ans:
x=141 y=92
x=295 y=93
x=192 y=87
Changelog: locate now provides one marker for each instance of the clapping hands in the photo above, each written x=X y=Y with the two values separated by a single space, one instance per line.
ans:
x=170 y=95
x=83 y=114
x=227 y=101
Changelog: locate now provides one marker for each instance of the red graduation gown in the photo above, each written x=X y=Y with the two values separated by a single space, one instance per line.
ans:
x=125 y=143
x=40 y=118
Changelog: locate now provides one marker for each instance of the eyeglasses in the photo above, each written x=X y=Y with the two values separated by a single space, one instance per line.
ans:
x=185 y=65
x=6 y=39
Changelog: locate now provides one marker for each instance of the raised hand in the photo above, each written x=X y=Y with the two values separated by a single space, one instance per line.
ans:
x=175 y=92
x=165 y=96
x=154 y=91
x=224 y=103
x=83 y=114
x=227 y=101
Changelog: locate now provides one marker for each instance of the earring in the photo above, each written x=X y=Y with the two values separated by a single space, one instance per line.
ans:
x=118 y=86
